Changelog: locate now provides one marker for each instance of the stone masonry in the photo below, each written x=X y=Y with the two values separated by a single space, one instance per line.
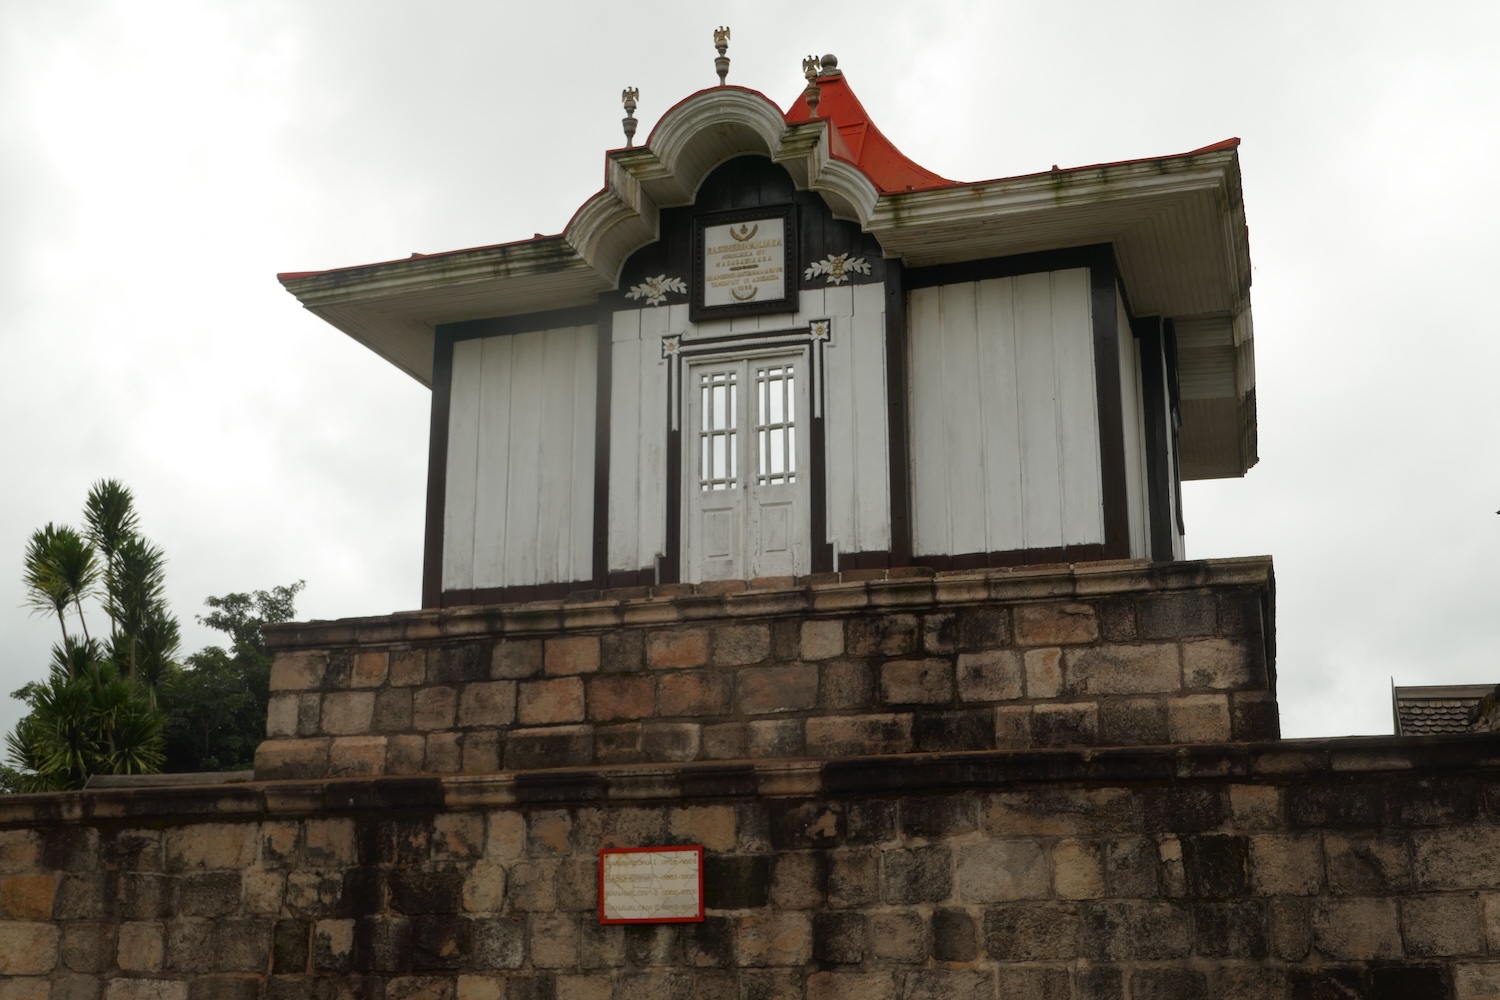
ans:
x=871 y=662
x=1351 y=868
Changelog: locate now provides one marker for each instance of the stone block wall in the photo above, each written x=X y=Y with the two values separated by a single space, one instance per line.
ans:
x=1353 y=868
x=874 y=662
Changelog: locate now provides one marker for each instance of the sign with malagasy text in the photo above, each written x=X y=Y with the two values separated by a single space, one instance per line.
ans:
x=651 y=885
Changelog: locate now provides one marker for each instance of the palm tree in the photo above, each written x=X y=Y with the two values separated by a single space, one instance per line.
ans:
x=135 y=595
x=61 y=568
x=110 y=515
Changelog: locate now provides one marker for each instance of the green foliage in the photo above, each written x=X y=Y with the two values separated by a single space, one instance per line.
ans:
x=216 y=703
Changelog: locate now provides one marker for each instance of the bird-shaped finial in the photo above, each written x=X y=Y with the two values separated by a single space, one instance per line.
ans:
x=628 y=96
x=721 y=42
x=810 y=67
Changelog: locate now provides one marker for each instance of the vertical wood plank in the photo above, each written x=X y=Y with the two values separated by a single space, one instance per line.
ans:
x=463 y=446
x=1036 y=379
x=651 y=503
x=437 y=469
x=1135 y=446
x=1078 y=402
x=580 y=564
x=929 y=514
x=840 y=429
x=526 y=401
x=867 y=415
x=625 y=450
x=964 y=438
x=493 y=463
x=999 y=408
x=554 y=497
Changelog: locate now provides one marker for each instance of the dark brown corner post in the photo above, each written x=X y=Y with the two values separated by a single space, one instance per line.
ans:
x=1103 y=289
x=897 y=390
x=604 y=367
x=437 y=468
x=1157 y=411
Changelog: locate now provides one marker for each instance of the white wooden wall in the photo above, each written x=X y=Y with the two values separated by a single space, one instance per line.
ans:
x=855 y=412
x=1005 y=434
x=520 y=479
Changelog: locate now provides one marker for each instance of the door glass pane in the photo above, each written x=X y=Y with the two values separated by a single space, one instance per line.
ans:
x=717 y=426
x=775 y=427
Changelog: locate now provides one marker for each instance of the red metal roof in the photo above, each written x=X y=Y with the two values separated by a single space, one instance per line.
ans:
x=859 y=142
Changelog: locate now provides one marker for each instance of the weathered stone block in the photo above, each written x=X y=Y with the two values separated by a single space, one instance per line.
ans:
x=770 y=939
x=559 y=699
x=1043 y=672
x=404 y=753
x=298 y=671
x=881 y=635
x=370 y=669
x=1462 y=858
x=1175 y=616
x=671 y=741
x=622 y=652
x=283 y=759
x=763 y=690
x=554 y=940
x=1012 y=727
x=487 y=703
x=190 y=945
x=1231 y=929
x=777 y=738
x=141 y=946
x=971 y=729
x=392 y=710
x=499 y=943
x=1003 y=870
x=854 y=879
x=621 y=696
x=899 y=936
x=1361 y=929
x=1070 y=724
x=1062 y=811
x=1077 y=869
x=921 y=874
x=1056 y=624
x=797 y=880
x=740 y=645
x=676 y=649
x=27 y=897
x=281 y=715
x=1145 y=669
x=1216 y=866
x=439 y=943
x=434 y=708
x=356 y=756
x=569 y=655
x=851 y=986
x=847 y=684
x=1199 y=718
x=1149 y=930
x=1286 y=865
x=1130 y=868
x=1168 y=984
x=211 y=845
x=601 y=947
x=917 y=682
x=1446 y=926
x=515 y=659
x=840 y=938
x=146 y=989
x=1363 y=865
x=953 y=936
x=558 y=746
x=822 y=640
x=1224 y=664
x=333 y=946
x=850 y=735
x=1133 y=722
x=948 y=984
x=991 y=675
x=693 y=692
x=725 y=741
x=206 y=894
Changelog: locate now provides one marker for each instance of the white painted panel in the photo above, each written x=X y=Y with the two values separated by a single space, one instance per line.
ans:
x=580 y=565
x=999 y=410
x=963 y=433
x=554 y=496
x=838 y=300
x=490 y=490
x=459 y=477
x=651 y=509
x=1036 y=379
x=840 y=430
x=869 y=418
x=519 y=565
x=1077 y=409
x=625 y=445
x=811 y=305
x=928 y=442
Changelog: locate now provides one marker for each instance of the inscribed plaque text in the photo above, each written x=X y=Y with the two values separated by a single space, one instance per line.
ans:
x=651 y=885
x=744 y=262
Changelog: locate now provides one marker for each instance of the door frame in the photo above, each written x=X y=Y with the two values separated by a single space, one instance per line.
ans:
x=678 y=350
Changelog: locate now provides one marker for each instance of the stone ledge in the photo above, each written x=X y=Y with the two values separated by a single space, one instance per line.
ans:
x=827 y=592
x=1369 y=761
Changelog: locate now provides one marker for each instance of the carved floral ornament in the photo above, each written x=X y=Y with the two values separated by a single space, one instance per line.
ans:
x=654 y=290
x=837 y=268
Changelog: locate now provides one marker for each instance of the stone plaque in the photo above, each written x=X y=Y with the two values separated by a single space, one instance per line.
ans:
x=744 y=263
x=650 y=885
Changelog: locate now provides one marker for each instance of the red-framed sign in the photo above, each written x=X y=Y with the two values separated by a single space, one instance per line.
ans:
x=651 y=885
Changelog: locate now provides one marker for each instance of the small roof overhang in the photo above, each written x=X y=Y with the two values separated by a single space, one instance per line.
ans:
x=1176 y=223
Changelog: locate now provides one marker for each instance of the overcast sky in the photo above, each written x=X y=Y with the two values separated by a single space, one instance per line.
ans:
x=161 y=162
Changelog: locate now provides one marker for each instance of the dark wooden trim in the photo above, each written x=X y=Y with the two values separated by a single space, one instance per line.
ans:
x=1174 y=390
x=670 y=570
x=1102 y=287
x=821 y=557
x=516 y=594
x=897 y=397
x=500 y=326
x=1156 y=408
x=864 y=560
x=1008 y=267
x=437 y=469
x=604 y=366
x=1011 y=557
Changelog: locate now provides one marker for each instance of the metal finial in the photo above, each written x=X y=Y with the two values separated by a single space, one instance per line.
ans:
x=721 y=42
x=830 y=66
x=629 y=96
x=810 y=67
